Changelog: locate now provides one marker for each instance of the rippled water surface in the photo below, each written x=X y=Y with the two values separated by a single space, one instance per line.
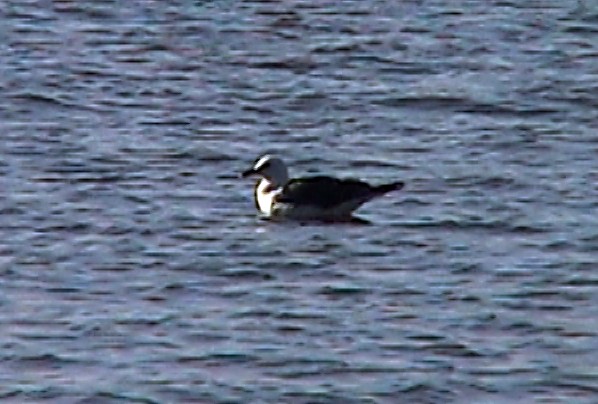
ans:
x=134 y=268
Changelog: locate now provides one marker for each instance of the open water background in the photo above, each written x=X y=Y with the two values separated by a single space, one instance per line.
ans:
x=133 y=267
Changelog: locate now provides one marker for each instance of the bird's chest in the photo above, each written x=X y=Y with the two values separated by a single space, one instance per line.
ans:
x=264 y=197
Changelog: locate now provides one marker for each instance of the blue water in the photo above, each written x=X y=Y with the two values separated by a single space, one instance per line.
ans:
x=134 y=267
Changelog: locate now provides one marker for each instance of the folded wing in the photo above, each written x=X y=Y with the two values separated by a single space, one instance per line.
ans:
x=324 y=192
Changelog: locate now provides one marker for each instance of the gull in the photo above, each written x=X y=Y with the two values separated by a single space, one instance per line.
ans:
x=309 y=198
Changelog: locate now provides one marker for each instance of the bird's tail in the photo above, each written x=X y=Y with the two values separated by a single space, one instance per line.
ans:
x=384 y=188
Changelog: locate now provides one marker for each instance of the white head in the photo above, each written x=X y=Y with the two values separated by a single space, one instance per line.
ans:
x=271 y=168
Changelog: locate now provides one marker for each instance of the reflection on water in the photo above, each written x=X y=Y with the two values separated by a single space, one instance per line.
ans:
x=134 y=267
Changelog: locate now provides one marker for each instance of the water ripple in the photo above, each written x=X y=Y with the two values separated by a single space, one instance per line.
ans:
x=134 y=268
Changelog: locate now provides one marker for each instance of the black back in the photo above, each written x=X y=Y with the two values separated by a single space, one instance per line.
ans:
x=324 y=192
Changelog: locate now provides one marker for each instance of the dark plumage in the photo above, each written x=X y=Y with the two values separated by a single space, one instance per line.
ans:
x=328 y=192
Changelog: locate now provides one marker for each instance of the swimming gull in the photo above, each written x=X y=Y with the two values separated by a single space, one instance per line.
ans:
x=309 y=198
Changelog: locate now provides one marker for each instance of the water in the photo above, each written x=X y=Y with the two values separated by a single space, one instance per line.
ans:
x=134 y=268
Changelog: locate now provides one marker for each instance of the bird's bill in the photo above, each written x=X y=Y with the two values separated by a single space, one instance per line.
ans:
x=248 y=173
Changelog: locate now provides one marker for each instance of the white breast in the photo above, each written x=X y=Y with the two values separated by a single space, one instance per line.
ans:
x=264 y=196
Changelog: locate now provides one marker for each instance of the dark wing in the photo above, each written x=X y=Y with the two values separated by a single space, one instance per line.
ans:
x=324 y=192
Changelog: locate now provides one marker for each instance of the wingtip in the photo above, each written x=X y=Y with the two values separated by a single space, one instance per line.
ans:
x=393 y=186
